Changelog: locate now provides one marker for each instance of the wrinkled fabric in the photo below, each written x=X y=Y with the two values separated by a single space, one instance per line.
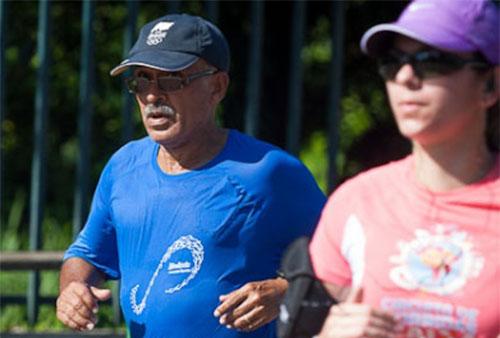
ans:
x=177 y=242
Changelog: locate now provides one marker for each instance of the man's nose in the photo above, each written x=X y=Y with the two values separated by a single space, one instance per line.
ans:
x=154 y=93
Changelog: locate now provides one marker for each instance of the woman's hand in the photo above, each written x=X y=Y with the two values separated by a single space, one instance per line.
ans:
x=354 y=319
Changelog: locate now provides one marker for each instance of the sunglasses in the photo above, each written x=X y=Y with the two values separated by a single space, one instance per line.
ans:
x=141 y=84
x=425 y=64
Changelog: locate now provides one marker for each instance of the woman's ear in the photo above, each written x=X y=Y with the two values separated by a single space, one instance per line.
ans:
x=492 y=87
x=490 y=84
x=496 y=80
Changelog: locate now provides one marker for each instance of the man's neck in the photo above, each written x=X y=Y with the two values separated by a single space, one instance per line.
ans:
x=192 y=154
x=449 y=166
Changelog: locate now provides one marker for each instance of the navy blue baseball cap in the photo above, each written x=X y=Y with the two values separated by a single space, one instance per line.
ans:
x=175 y=42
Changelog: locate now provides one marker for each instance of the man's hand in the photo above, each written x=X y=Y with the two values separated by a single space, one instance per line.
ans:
x=77 y=305
x=353 y=319
x=253 y=305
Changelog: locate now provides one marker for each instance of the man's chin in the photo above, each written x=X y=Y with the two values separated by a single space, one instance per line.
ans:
x=163 y=135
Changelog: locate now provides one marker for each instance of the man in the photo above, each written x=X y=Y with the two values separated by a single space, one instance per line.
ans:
x=193 y=219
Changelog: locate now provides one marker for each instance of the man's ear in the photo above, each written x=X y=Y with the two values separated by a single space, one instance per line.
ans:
x=220 y=85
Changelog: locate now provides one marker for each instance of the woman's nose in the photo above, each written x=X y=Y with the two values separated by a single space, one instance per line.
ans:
x=407 y=76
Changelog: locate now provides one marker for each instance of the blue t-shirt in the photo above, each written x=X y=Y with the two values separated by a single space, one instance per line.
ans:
x=177 y=242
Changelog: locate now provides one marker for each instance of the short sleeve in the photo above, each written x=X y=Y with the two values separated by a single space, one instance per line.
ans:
x=298 y=199
x=96 y=243
x=326 y=245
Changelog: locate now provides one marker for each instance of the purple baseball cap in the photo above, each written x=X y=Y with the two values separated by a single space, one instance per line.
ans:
x=452 y=25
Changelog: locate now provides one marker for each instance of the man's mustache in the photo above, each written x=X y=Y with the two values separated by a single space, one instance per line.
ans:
x=152 y=109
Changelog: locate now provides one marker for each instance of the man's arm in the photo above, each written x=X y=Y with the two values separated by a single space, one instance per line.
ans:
x=78 y=270
x=78 y=294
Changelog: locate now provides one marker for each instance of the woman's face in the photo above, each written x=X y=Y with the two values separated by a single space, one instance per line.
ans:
x=438 y=109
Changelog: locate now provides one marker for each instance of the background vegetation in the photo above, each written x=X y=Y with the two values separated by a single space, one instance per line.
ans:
x=366 y=127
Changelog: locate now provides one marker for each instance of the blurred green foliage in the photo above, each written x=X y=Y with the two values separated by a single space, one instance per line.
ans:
x=363 y=107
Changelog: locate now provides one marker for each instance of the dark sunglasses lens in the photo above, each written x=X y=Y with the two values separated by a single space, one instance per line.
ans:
x=425 y=64
x=428 y=69
x=169 y=83
x=131 y=85
x=388 y=67
x=142 y=84
x=436 y=64
x=137 y=85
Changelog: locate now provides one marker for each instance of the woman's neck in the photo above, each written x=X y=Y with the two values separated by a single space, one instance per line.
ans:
x=449 y=166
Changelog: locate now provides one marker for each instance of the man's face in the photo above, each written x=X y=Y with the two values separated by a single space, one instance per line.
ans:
x=173 y=118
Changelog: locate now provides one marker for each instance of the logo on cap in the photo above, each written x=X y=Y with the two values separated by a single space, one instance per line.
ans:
x=158 y=33
x=419 y=6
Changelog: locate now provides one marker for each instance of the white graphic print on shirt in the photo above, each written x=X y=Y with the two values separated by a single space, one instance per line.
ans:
x=185 y=242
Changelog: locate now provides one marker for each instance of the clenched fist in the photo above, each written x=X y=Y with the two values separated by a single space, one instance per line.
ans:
x=77 y=305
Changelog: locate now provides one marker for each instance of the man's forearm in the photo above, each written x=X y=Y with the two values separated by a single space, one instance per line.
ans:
x=78 y=270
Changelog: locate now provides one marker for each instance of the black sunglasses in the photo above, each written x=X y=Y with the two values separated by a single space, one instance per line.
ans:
x=426 y=63
x=140 y=84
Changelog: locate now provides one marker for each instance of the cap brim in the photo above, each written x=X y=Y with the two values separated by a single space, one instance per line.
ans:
x=377 y=38
x=166 y=61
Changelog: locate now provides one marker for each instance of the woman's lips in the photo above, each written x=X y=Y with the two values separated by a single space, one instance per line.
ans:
x=409 y=106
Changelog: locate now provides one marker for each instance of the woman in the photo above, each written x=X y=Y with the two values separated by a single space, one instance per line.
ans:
x=411 y=248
